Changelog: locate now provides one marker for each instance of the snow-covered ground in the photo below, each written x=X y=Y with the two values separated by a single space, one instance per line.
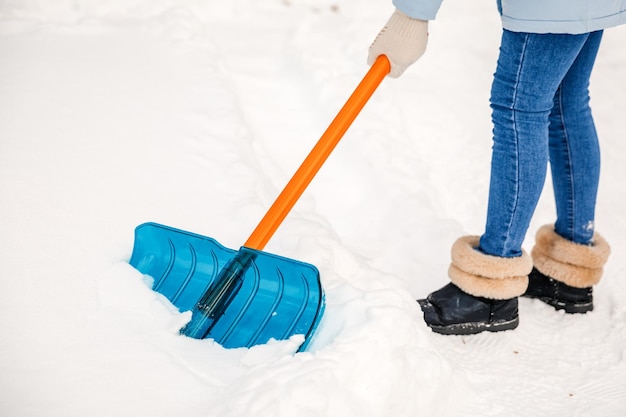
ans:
x=195 y=114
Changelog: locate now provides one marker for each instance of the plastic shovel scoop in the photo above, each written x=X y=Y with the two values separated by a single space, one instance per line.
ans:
x=247 y=297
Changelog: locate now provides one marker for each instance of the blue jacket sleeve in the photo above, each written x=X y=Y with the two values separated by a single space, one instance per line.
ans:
x=418 y=9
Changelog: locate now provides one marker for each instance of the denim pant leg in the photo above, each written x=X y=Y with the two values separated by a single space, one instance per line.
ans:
x=574 y=149
x=530 y=69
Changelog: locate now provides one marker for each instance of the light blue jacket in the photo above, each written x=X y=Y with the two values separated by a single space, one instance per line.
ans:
x=538 y=16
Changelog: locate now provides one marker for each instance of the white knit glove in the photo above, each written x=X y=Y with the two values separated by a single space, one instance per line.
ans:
x=403 y=40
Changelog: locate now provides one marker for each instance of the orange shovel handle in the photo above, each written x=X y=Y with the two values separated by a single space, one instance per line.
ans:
x=318 y=155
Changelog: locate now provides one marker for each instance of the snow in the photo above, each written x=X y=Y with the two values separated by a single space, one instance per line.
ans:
x=194 y=114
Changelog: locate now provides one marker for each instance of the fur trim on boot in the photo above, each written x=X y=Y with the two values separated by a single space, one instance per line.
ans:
x=579 y=266
x=488 y=276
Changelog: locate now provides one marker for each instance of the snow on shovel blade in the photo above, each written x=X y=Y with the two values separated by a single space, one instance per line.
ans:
x=267 y=296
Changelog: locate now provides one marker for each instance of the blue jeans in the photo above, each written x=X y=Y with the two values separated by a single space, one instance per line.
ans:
x=540 y=113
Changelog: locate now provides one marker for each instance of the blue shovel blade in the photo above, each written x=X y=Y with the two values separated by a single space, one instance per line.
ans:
x=276 y=298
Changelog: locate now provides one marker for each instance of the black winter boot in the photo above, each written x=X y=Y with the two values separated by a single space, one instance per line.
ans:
x=451 y=311
x=565 y=272
x=559 y=295
x=483 y=293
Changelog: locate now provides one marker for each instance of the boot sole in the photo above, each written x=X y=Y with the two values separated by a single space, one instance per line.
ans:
x=570 y=308
x=462 y=329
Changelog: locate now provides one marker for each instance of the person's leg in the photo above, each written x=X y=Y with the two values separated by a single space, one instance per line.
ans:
x=569 y=256
x=574 y=149
x=490 y=272
x=531 y=67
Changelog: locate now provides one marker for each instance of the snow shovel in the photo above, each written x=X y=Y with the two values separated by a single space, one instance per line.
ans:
x=247 y=297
